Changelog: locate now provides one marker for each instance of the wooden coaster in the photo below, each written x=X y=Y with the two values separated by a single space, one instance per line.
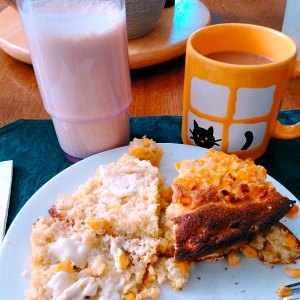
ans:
x=166 y=41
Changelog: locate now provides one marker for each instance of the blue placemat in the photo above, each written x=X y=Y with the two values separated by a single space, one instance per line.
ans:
x=33 y=146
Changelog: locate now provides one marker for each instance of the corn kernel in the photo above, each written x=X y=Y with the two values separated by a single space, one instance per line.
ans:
x=249 y=252
x=123 y=260
x=154 y=162
x=154 y=294
x=249 y=161
x=102 y=226
x=269 y=250
x=292 y=272
x=168 y=193
x=204 y=172
x=139 y=152
x=177 y=165
x=114 y=206
x=130 y=296
x=65 y=266
x=200 y=162
x=180 y=180
x=262 y=172
x=146 y=142
x=233 y=259
x=284 y=291
x=94 y=225
x=186 y=201
x=291 y=241
x=106 y=225
x=183 y=266
x=214 y=180
x=293 y=212
x=149 y=277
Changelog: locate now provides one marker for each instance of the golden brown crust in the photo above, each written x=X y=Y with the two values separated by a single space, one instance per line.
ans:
x=219 y=254
x=55 y=214
x=217 y=226
x=283 y=227
x=59 y=216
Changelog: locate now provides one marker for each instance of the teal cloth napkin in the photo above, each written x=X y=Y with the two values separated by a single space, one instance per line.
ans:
x=33 y=146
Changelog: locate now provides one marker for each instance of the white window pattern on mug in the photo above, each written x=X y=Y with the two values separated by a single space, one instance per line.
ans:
x=214 y=99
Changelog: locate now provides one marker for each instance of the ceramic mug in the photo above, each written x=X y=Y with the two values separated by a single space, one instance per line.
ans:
x=142 y=15
x=235 y=78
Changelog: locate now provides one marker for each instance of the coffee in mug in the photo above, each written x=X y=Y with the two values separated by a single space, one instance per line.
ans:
x=240 y=58
x=235 y=78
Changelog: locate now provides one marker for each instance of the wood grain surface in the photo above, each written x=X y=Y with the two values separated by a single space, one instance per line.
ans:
x=166 y=41
x=156 y=90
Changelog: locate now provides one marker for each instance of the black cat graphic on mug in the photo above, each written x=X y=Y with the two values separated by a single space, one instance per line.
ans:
x=205 y=137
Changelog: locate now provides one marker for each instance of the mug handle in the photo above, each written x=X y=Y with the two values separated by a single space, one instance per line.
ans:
x=288 y=131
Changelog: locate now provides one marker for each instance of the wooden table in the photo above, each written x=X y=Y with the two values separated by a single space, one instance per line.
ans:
x=157 y=90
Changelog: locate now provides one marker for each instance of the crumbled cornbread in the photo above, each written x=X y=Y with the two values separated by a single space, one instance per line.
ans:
x=146 y=149
x=277 y=246
x=102 y=242
x=109 y=267
x=172 y=271
x=284 y=291
x=121 y=199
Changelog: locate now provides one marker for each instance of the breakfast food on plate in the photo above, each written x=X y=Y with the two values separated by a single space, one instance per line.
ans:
x=72 y=262
x=120 y=199
x=284 y=291
x=124 y=232
x=219 y=203
x=146 y=149
x=102 y=242
x=277 y=246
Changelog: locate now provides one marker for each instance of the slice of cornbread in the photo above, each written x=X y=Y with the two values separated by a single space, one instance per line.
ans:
x=121 y=199
x=219 y=202
x=73 y=262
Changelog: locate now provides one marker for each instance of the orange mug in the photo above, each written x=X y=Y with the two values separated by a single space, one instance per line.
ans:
x=235 y=78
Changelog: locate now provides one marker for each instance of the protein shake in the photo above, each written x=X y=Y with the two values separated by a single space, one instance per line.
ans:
x=80 y=57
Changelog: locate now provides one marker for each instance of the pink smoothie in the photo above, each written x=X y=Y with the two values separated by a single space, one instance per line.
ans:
x=80 y=58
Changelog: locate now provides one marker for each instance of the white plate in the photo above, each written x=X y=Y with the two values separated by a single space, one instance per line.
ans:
x=210 y=281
